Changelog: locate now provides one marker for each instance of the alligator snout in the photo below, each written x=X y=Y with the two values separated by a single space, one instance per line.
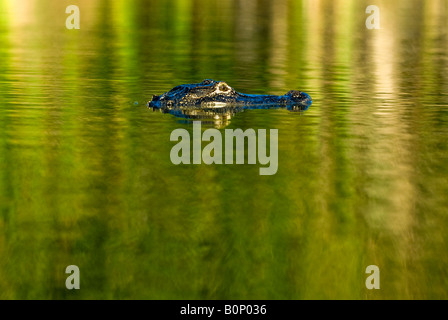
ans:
x=153 y=102
x=300 y=97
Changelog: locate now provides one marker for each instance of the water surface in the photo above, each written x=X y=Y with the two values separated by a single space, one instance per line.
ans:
x=86 y=178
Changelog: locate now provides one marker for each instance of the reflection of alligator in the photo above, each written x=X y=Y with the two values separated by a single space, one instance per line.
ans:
x=217 y=100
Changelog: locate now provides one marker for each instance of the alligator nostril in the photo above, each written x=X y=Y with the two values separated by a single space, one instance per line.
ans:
x=294 y=93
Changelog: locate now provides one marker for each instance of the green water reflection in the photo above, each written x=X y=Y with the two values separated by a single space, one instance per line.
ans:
x=86 y=178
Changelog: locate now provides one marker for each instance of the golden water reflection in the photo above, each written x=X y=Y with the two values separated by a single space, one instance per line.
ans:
x=85 y=176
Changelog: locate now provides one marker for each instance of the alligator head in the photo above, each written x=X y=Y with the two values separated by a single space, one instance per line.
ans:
x=212 y=98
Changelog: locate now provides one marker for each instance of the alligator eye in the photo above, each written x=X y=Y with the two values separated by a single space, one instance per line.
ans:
x=223 y=87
